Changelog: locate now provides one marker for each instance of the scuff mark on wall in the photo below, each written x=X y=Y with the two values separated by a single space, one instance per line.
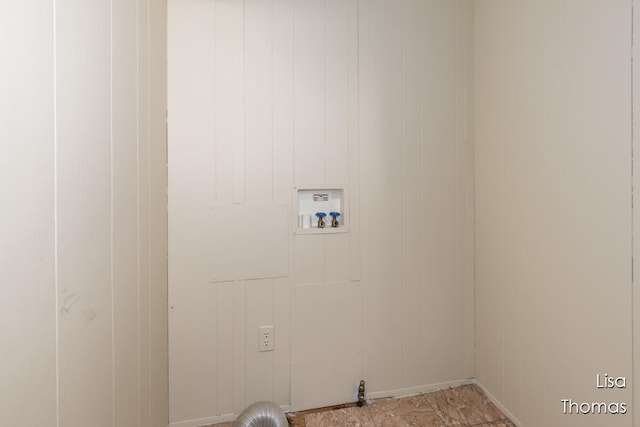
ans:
x=89 y=315
x=69 y=299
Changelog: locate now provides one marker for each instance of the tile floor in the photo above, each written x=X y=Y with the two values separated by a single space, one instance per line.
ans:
x=459 y=406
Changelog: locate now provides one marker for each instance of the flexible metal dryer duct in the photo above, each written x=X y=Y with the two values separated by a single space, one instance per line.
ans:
x=262 y=414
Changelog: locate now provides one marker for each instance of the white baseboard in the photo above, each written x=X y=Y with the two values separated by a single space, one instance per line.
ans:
x=412 y=391
x=400 y=392
x=205 y=421
x=500 y=406
x=215 y=419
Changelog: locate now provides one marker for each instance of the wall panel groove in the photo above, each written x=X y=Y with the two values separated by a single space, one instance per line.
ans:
x=327 y=93
x=72 y=280
x=552 y=154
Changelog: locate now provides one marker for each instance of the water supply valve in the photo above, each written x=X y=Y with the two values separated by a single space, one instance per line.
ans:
x=334 y=219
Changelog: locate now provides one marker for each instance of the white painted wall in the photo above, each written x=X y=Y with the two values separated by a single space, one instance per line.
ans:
x=371 y=95
x=268 y=96
x=552 y=136
x=635 y=385
x=83 y=219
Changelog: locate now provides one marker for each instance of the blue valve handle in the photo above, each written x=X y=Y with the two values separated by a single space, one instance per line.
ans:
x=321 y=216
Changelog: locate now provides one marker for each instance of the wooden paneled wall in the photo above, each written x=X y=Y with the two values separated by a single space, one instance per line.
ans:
x=553 y=139
x=269 y=96
x=82 y=224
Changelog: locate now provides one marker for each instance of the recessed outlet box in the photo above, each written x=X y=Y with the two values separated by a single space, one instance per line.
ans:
x=327 y=200
x=266 y=338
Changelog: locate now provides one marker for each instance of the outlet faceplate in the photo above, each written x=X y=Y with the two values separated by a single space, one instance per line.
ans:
x=267 y=342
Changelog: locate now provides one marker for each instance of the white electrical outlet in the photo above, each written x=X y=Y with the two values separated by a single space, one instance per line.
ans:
x=267 y=342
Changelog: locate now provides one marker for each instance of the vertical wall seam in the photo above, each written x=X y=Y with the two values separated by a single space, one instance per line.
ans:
x=324 y=125
x=244 y=342
x=422 y=20
x=470 y=143
x=403 y=142
x=502 y=193
x=214 y=186
x=234 y=335
x=634 y=389
x=470 y=138
x=273 y=174
x=347 y=98
x=244 y=105
x=357 y=151
x=456 y=92
x=273 y=192
x=455 y=167
x=471 y=135
x=370 y=149
x=239 y=156
x=353 y=127
x=216 y=331
x=55 y=209
x=149 y=222
x=139 y=368
x=292 y=283
x=215 y=104
x=293 y=90
x=273 y=357
x=111 y=237
x=324 y=101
